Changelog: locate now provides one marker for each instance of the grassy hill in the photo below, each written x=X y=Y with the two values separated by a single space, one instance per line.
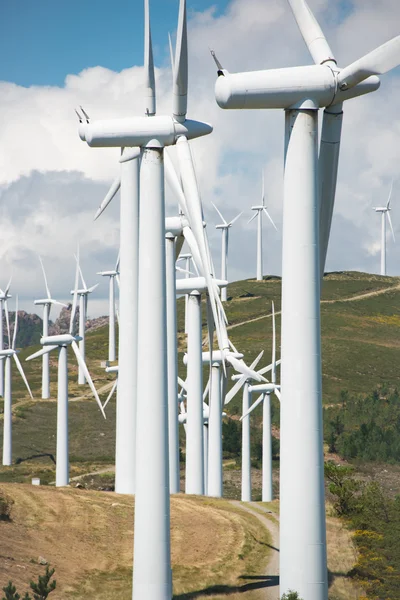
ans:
x=218 y=549
x=361 y=343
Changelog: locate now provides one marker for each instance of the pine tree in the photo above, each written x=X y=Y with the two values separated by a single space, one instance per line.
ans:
x=10 y=592
x=42 y=589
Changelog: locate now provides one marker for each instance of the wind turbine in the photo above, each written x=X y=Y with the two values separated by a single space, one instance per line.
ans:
x=4 y=295
x=111 y=325
x=62 y=342
x=83 y=294
x=7 y=355
x=260 y=209
x=266 y=389
x=301 y=92
x=384 y=210
x=46 y=303
x=224 y=227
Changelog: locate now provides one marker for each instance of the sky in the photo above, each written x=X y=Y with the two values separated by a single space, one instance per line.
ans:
x=58 y=55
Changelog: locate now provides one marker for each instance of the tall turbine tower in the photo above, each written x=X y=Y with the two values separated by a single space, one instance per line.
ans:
x=46 y=303
x=111 y=298
x=4 y=295
x=224 y=227
x=384 y=210
x=301 y=91
x=260 y=209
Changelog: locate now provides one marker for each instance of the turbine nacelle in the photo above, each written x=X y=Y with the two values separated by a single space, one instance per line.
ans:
x=314 y=86
x=140 y=131
x=381 y=208
x=64 y=339
x=175 y=225
x=107 y=274
x=84 y=291
x=8 y=352
x=196 y=284
x=217 y=357
x=44 y=301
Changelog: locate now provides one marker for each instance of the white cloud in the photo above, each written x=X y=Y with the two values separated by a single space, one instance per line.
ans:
x=51 y=182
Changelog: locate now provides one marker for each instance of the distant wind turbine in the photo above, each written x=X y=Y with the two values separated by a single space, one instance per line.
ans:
x=46 y=303
x=384 y=210
x=224 y=226
x=4 y=295
x=113 y=275
x=6 y=355
x=62 y=342
x=260 y=209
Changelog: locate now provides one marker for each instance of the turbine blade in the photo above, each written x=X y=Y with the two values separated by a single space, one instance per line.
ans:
x=150 y=102
x=85 y=370
x=390 y=196
x=235 y=219
x=277 y=393
x=171 y=54
x=21 y=372
x=268 y=368
x=80 y=270
x=253 y=217
x=207 y=389
x=44 y=350
x=252 y=407
x=73 y=309
x=263 y=190
x=8 y=287
x=232 y=393
x=194 y=249
x=116 y=184
x=180 y=84
x=45 y=278
x=241 y=367
x=267 y=213
x=311 y=32
x=91 y=289
x=196 y=220
x=15 y=324
x=7 y=321
x=390 y=224
x=182 y=384
x=129 y=154
x=174 y=183
x=382 y=59
x=58 y=303
x=223 y=220
x=114 y=387
x=117 y=263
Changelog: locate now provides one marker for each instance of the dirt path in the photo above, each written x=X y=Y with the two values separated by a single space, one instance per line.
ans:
x=336 y=301
x=272 y=569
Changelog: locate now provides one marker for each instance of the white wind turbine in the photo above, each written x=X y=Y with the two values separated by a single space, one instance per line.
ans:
x=83 y=294
x=265 y=390
x=62 y=342
x=46 y=303
x=224 y=227
x=309 y=191
x=7 y=355
x=260 y=209
x=152 y=560
x=4 y=295
x=384 y=210
x=113 y=275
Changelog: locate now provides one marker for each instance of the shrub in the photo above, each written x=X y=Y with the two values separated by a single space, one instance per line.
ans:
x=5 y=507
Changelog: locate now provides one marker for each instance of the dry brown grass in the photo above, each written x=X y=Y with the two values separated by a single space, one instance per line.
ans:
x=88 y=537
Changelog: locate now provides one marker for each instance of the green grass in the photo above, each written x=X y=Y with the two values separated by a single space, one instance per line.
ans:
x=360 y=349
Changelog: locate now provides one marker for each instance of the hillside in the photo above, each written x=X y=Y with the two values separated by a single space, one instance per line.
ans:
x=219 y=548
x=361 y=340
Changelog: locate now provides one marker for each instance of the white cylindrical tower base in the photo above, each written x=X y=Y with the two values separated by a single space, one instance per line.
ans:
x=303 y=566
x=267 y=451
x=246 y=457
x=7 y=430
x=215 y=436
x=111 y=324
x=383 y=243
x=194 y=483
x=125 y=440
x=46 y=357
x=172 y=353
x=62 y=458
x=82 y=325
x=152 y=578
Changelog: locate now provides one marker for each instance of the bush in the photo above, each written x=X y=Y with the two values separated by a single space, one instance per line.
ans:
x=291 y=595
x=41 y=589
x=5 y=507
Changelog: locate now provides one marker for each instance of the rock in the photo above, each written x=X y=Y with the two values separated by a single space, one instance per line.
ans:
x=79 y=486
x=42 y=561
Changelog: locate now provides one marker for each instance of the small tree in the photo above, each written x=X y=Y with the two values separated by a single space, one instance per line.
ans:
x=342 y=485
x=291 y=595
x=42 y=589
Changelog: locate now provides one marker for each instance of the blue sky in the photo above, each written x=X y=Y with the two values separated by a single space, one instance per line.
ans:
x=42 y=41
